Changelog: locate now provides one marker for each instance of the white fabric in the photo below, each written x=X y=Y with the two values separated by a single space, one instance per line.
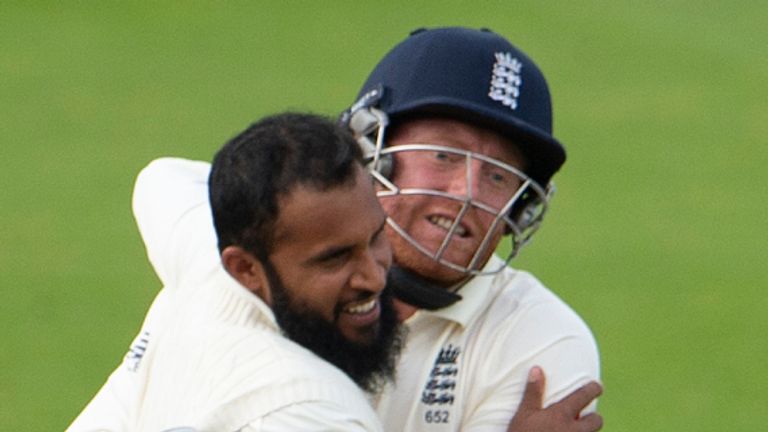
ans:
x=210 y=355
x=465 y=366
x=505 y=324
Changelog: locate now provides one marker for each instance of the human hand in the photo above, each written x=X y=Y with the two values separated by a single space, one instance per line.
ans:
x=562 y=416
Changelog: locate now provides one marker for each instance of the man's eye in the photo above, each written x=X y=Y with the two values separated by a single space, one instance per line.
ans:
x=501 y=179
x=446 y=157
x=334 y=259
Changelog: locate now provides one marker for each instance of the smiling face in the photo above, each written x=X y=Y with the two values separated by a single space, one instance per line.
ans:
x=428 y=218
x=331 y=255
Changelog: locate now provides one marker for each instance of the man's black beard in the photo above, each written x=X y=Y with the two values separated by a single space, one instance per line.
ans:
x=369 y=365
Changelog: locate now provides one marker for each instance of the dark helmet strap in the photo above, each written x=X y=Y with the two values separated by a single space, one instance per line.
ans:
x=419 y=291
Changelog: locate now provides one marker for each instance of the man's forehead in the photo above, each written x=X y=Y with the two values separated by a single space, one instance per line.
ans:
x=319 y=217
x=298 y=197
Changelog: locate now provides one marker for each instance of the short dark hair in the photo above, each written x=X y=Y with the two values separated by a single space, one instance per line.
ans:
x=267 y=161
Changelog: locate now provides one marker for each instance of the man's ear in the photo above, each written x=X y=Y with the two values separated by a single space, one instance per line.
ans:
x=247 y=270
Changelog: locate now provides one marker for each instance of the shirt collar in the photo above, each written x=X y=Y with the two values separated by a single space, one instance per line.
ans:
x=475 y=295
x=233 y=303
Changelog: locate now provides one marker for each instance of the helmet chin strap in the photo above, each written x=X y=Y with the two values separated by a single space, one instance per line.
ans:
x=419 y=291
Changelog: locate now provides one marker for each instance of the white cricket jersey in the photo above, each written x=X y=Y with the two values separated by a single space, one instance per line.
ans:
x=210 y=355
x=463 y=367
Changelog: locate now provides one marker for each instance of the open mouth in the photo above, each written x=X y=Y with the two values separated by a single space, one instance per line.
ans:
x=361 y=308
x=446 y=223
x=359 y=315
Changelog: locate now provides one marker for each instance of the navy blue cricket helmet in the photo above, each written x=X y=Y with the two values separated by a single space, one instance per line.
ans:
x=474 y=75
x=478 y=77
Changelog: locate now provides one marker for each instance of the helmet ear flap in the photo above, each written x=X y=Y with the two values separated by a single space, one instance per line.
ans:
x=367 y=125
x=523 y=212
x=529 y=209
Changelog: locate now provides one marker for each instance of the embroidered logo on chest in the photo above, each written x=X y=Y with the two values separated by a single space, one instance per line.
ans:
x=136 y=352
x=506 y=80
x=439 y=391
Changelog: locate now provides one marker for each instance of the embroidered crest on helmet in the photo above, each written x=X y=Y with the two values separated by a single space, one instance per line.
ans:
x=506 y=80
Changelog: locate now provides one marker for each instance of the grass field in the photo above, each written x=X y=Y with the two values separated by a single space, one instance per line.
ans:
x=656 y=236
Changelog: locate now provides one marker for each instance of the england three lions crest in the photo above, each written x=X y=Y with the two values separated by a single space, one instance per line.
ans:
x=506 y=80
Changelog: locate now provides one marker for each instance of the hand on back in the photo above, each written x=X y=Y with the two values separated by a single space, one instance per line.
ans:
x=562 y=416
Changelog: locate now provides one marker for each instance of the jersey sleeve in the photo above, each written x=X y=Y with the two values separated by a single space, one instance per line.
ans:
x=562 y=344
x=116 y=403
x=170 y=204
x=548 y=334
x=108 y=410
x=172 y=211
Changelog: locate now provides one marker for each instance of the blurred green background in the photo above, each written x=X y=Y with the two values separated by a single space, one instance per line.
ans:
x=656 y=236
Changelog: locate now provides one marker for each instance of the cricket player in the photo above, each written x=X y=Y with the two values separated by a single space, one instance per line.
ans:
x=295 y=320
x=457 y=129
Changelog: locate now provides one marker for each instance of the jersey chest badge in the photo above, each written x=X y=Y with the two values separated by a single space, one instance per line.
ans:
x=133 y=358
x=438 y=395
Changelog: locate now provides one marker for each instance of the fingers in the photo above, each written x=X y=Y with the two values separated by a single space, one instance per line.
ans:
x=590 y=423
x=561 y=416
x=580 y=398
x=533 y=396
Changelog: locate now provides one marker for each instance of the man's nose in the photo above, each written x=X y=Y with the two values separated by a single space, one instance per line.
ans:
x=371 y=272
x=467 y=181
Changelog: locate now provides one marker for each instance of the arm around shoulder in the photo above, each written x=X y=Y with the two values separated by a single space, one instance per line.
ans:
x=170 y=204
